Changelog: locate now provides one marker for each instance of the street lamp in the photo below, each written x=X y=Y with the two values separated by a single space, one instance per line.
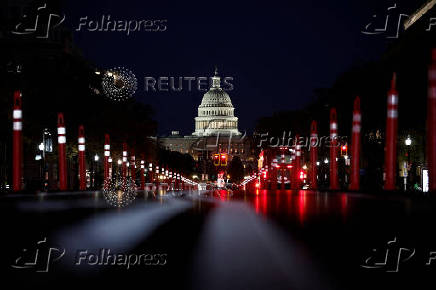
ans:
x=96 y=158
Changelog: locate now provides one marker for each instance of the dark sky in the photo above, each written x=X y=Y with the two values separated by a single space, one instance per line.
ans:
x=277 y=51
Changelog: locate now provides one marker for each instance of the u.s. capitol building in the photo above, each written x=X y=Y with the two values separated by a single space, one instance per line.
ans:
x=216 y=129
x=216 y=114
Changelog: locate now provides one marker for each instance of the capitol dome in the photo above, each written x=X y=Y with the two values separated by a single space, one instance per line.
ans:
x=216 y=97
x=216 y=112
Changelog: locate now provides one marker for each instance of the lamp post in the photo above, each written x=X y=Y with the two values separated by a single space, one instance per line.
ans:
x=48 y=148
x=408 y=143
x=96 y=159
x=119 y=162
x=39 y=157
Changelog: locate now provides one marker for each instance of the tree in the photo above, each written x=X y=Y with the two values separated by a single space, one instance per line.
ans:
x=236 y=170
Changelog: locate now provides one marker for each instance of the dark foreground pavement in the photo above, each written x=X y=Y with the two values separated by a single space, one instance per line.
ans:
x=219 y=240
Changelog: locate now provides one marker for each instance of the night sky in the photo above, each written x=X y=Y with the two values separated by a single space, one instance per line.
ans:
x=277 y=51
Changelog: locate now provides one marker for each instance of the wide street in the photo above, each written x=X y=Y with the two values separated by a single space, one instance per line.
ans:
x=219 y=240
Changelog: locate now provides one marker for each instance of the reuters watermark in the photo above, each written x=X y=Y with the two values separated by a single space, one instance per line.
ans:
x=186 y=83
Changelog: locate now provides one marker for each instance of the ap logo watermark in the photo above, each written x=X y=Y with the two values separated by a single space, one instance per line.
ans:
x=39 y=258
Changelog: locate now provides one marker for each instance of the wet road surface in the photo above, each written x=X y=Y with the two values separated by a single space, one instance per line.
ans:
x=220 y=240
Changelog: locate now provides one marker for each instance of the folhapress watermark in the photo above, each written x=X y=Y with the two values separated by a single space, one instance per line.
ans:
x=39 y=257
x=40 y=26
x=288 y=140
x=108 y=24
x=45 y=19
x=42 y=256
x=393 y=22
x=105 y=257
x=393 y=255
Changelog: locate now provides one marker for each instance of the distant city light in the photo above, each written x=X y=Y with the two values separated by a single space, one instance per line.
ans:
x=326 y=161
x=96 y=157
x=408 y=141
x=425 y=184
x=120 y=162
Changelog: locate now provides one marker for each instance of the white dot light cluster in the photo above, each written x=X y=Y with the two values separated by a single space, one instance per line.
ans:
x=119 y=84
x=119 y=192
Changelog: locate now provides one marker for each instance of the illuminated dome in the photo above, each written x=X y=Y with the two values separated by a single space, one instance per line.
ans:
x=216 y=112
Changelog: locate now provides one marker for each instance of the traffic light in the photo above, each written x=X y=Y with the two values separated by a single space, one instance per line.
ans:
x=344 y=150
x=216 y=159
x=224 y=159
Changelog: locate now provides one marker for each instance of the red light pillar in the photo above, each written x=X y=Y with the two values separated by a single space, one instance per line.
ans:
x=431 y=124
x=355 y=147
x=391 y=137
x=181 y=181
x=262 y=178
x=107 y=154
x=167 y=177
x=133 y=165
x=273 y=178
x=110 y=168
x=150 y=172
x=292 y=169
x=334 y=182
x=297 y=167
x=17 y=142
x=142 y=187
x=62 y=139
x=82 y=163
x=313 y=154
x=176 y=181
x=156 y=177
x=124 y=165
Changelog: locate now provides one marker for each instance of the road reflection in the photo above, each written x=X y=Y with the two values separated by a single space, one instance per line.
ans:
x=299 y=204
